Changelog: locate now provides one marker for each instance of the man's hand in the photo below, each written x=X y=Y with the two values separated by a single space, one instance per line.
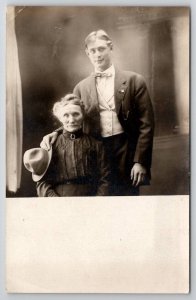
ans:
x=48 y=140
x=138 y=173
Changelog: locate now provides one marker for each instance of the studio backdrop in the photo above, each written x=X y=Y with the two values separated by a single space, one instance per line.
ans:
x=46 y=59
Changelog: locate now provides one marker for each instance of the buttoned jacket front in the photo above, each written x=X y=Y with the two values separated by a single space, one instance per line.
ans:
x=134 y=110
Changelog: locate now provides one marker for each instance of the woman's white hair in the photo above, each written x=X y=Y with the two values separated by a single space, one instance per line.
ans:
x=68 y=99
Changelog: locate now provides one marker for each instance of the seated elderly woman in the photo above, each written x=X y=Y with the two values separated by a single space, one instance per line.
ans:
x=78 y=166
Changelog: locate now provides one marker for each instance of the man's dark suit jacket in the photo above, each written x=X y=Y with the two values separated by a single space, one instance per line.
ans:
x=134 y=110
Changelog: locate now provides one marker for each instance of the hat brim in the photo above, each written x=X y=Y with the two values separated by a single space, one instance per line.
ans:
x=36 y=177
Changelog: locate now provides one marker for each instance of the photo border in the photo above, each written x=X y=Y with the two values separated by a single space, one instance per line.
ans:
x=3 y=4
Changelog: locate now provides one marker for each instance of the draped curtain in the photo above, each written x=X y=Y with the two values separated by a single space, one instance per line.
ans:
x=14 y=121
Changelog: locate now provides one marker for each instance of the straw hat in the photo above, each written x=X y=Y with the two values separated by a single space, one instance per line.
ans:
x=36 y=161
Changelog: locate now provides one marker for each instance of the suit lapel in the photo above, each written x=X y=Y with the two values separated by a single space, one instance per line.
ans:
x=93 y=104
x=120 y=86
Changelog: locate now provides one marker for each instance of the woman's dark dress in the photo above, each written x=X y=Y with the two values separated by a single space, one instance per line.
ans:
x=78 y=168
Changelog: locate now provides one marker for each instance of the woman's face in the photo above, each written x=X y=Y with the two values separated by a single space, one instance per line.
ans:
x=71 y=117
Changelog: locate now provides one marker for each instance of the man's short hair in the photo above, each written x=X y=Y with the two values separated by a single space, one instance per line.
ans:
x=67 y=99
x=98 y=34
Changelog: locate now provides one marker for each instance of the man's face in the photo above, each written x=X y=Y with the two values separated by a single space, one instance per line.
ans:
x=100 y=54
x=71 y=117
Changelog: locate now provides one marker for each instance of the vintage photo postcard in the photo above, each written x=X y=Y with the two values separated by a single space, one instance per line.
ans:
x=97 y=149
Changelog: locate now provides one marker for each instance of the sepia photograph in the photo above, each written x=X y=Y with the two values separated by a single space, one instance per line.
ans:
x=97 y=149
x=132 y=135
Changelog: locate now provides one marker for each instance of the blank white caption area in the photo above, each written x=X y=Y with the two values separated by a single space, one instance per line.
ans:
x=102 y=244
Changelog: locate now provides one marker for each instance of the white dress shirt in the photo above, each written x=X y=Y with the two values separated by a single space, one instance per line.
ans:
x=110 y=124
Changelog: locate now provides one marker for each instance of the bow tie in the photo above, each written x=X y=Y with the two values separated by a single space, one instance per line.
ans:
x=101 y=74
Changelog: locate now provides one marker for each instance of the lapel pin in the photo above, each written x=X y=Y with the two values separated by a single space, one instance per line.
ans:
x=121 y=91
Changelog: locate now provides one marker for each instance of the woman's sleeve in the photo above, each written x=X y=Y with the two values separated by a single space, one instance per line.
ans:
x=44 y=189
x=45 y=186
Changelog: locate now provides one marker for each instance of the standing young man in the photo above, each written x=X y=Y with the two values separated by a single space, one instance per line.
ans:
x=119 y=112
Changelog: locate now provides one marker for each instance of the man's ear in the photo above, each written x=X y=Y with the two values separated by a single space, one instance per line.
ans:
x=111 y=46
x=86 y=51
